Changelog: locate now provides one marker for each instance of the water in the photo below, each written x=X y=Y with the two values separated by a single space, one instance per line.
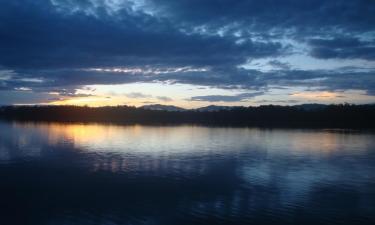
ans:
x=106 y=174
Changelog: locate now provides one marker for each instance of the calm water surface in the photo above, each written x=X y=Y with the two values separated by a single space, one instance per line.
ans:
x=104 y=174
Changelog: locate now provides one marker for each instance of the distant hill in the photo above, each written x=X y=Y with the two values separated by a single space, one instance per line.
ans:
x=311 y=107
x=159 y=107
x=215 y=108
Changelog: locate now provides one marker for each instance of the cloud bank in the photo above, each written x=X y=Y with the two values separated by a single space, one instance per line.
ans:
x=62 y=45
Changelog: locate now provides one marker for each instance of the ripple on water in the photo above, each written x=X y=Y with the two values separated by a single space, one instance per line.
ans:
x=105 y=174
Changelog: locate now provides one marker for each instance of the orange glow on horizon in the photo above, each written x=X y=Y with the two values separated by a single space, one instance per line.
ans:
x=316 y=95
x=94 y=101
x=99 y=101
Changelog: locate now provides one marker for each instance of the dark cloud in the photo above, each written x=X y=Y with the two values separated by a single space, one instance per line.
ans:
x=69 y=93
x=137 y=95
x=164 y=98
x=279 y=65
x=226 y=98
x=142 y=95
x=301 y=16
x=54 y=46
x=35 y=34
x=148 y=102
x=226 y=78
x=351 y=48
x=20 y=97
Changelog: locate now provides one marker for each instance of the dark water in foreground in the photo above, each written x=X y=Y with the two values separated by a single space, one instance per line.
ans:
x=102 y=174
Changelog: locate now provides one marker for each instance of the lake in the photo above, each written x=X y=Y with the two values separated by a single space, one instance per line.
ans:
x=67 y=174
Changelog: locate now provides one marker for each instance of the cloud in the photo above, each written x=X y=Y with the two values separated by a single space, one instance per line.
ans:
x=64 y=82
x=137 y=95
x=279 y=65
x=299 y=17
x=69 y=93
x=164 y=98
x=148 y=102
x=10 y=97
x=226 y=98
x=141 y=95
x=61 y=46
x=347 y=48
x=54 y=39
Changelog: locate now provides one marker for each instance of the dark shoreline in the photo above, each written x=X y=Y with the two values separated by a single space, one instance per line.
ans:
x=355 y=117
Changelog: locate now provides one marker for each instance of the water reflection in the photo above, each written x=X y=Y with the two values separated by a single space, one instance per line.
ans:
x=107 y=174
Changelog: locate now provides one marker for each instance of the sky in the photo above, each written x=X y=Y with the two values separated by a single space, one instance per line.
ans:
x=188 y=53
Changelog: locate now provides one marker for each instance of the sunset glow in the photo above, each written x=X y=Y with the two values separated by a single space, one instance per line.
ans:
x=177 y=54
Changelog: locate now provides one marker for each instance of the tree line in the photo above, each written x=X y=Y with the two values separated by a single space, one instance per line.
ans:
x=338 y=116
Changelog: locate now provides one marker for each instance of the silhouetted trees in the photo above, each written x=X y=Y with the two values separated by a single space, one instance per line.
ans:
x=350 y=116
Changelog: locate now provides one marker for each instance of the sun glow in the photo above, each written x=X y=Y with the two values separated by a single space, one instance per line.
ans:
x=138 y=94
x=317 y=95
x=79 y=101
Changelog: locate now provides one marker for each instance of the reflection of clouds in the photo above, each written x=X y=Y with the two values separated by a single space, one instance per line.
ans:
x=296 y=178
x=150 y=139
x=18 y=145
x=187 y=139
x=316 y=143
x=217 y=173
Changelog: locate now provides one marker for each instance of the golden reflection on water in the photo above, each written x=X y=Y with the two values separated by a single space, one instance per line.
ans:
x=321 y=142
x=238 y=169
x=194 y=138
x=81 y=133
